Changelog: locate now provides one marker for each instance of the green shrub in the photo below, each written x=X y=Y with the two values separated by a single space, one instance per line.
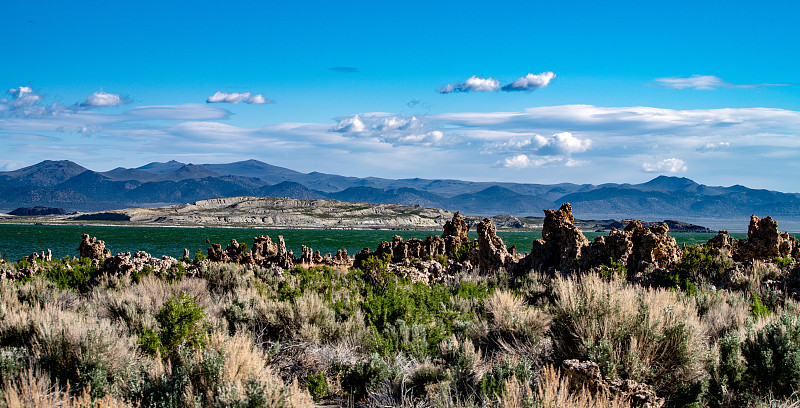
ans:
x=726 y=372
x=366 y=376
x=174 y=274
x=773 y=357
x=464 y=251
x=442 y=259
x=413 y=304
x=758 y=309
x=698 y=263
x=783 y=262
x=376 y=269
x=73 y=275
x=613 y=270
x=181 y=322
x=492 y=384
x=317 y=386
x=198 y=255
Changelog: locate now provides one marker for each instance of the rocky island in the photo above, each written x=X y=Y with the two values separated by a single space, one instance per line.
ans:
x=281 y=212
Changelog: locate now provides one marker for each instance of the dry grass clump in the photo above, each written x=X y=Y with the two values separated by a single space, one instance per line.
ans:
x=308 y=318
x=555 y=391
x=34 y=389
x=647 y=335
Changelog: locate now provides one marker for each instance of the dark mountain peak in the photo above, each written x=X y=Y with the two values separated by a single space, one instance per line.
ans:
x=253 y=168
x=189 y=172
x=291 y=189
x=89 y=175
x=158 y=167
x=669 y=183
x=497 y=191
x=45 y=173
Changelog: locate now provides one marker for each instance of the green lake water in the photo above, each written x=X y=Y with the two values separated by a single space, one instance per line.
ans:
x=17 y=241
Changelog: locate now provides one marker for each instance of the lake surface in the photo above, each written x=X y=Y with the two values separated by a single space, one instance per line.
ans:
x=17 y=241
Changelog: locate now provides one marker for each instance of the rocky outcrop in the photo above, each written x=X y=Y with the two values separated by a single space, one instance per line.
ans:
x=29 y=211
x=765 y=241
x=561 y=244
x=617 y=247
x=587 y=375
x=124 y=263
x=455 y=233
x=652 y=247
x=491 y=253
x=93 y=248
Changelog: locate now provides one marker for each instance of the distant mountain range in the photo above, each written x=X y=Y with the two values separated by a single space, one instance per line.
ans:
x=68 y=185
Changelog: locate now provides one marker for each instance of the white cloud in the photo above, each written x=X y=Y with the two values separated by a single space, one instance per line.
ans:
x=397 y=130
x=531 y=82
x=473 y=84
x=703 y=82
x=100 y=99
x=188 y=111
x=235 y=97
x=522 y=161
x=576 y=163
x=713 y=146
x=258 y=100
x=24 y=101
x=671 y=165
x=349 y=125
x=564 y=143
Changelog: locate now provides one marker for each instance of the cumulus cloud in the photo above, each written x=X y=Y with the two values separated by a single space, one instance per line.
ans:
x=236 y=97
x=530 y=82
x=23 y=96
x=563 y=143
x=100 y=99
x=25 y=101
x=671 y=165
x=713 y=146
x=349 y=125
x=703 y=82
x=473 y=84
x=258 y=100
x=397 y=130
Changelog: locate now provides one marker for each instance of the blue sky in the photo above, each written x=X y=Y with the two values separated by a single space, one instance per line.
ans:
x=541 y=92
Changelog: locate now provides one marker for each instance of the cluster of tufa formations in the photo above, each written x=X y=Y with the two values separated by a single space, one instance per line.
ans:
x=641 y=250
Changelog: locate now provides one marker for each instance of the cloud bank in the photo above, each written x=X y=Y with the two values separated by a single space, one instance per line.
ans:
x=577 y=143
x=704 y=83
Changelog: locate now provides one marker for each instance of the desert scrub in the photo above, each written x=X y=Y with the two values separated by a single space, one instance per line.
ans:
x=647 y=335
x=71 y=274
x=513 y=326
x=773 y=357
x=397 y=299
x=699 y=265
x=181 y=323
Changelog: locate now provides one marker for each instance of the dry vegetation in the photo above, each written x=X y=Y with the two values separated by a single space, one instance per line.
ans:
x=239 y=336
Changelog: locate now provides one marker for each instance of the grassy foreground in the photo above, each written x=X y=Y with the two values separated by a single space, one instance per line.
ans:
x=247 y=336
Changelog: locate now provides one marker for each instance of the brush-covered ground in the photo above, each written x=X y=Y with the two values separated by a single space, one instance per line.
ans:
x=248 y=336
